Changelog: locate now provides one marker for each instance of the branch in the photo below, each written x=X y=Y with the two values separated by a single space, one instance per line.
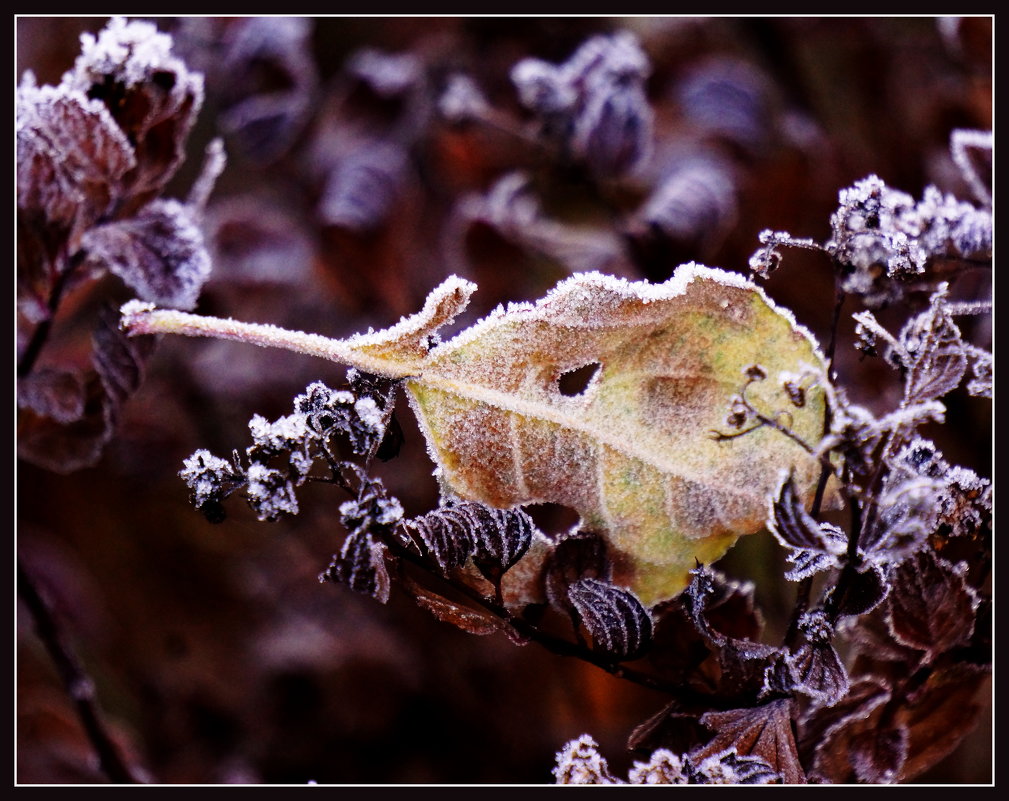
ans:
x=78 y=684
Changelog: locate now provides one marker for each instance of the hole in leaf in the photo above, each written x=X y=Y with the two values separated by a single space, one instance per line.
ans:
x=574 y=382
x=552 y=518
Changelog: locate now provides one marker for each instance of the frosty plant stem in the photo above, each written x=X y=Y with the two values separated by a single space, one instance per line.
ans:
x=143 y=318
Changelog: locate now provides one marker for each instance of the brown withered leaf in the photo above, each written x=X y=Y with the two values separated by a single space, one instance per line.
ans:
x=931 y=607
x=825 y=732
x=939 y=714
x=71 y=160
x=763 y=731
x=466 y=618
x=619 y=625
x=633 y=453
x=66 y=446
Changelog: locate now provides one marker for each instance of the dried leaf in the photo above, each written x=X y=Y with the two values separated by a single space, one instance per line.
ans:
x=118 y=363
x=52 y=393
x=878 y=754
x=159 y=253
x=71 y=158
x=826 y=731
x=817 y=671
x=813 y=547
x=671 y=357
x=361 y=566
x=632 y=453
x=931 y=607
x=473 y=621
x=150 y=93
x=763 y=731
x=618 y=623
x=580 y=762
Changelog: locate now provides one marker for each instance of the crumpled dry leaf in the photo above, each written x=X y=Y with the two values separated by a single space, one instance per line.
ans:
x=633 y=452
x=764 y=731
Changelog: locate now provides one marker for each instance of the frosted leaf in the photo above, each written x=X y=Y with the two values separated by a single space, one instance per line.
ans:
x=663 y=767
x=594 y=105
x=817 y=671
x=159 y=253
x=981 y=365
x=931 y=607
x=361 y=566
x=502 y=538
x=813 y=547
x=53 y=393
x=71 y=159
x=362 y=187
x=632 y=454
x=764 y=732
x=269 y=492
x=695 y=201
x=446 y=535
x=962 y=142
x=152 y=95
x=461 y=99
x=932 y=352
x=580 y=762
x=388 y=74
x=729 y=767
x=619 y=625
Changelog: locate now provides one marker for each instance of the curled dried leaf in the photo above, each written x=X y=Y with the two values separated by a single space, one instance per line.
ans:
x=361 y=565
x=617 y=622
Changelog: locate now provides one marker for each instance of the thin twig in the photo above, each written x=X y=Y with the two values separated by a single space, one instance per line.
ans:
x=78 y=684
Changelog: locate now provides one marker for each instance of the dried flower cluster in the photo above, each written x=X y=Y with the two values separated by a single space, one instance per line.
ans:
x=609 y=157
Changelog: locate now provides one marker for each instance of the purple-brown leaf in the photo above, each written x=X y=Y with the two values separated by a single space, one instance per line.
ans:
x=763 y=731
x=619 y=625
x=159 y=253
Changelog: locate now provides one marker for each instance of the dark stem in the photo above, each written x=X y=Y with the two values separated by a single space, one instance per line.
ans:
x=551 y=642
x=42 y=331
x=805 y=588
x=78 y=684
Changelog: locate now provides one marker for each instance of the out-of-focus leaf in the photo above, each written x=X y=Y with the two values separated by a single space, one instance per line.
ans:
x=878 y=754
x=52 y=393
x=159 y=253
x=118 y=363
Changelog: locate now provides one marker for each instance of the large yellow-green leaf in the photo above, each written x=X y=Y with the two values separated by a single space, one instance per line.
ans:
x=632 y=452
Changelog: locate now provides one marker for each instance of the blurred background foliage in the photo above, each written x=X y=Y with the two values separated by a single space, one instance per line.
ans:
x=349 y=193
